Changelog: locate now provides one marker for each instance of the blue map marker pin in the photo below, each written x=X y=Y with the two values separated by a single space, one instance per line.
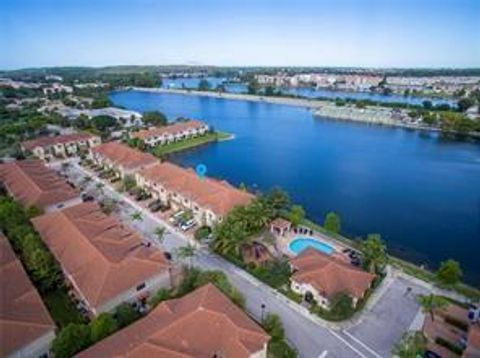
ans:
x=201 y=170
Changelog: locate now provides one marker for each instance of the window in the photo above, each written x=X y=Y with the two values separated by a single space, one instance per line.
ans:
x=141 y=286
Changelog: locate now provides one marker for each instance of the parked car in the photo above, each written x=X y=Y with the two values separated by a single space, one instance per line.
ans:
x=87 y=197
x=188 y=225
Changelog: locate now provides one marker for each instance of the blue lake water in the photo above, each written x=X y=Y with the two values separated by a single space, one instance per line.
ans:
x=192 y=83
x=419 y=191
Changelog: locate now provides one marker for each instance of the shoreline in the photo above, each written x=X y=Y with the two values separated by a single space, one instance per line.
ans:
x=320 y=108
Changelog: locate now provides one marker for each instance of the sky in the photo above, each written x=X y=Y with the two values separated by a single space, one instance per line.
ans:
x=360 y=33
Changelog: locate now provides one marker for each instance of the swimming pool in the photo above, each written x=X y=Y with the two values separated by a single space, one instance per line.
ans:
x=301 y=243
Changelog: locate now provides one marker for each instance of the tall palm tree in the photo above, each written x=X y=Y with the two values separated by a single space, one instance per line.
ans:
x=136 y=216
x=160 y=234
x=99 y=187
x=374 y=253
x=431 y=303
x=188 y=251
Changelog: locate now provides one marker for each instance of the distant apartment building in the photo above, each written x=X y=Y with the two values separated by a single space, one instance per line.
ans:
x=105 y=263
x=321 y=277
x=121 y=158
x=62 y=146
x=126 y=117
x=204 y=323
x=26 y=328
x=171 y=133
x=56 y=88
x=208 y=199
x=33 y=184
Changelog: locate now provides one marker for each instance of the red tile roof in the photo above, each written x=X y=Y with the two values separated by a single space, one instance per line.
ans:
x=200 y=325
x=218 y=196
x=473 y=341
x=32 y=183
x=123 y=155
x=60 y=139
x=103 y=257
x=329 y=275
x=172 y=129
x=23 y=316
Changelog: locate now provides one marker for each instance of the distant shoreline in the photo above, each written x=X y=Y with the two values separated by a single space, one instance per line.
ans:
x=319 y=107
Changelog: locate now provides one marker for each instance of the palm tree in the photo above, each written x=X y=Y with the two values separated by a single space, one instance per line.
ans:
x=374 y=253
x=136 y=216
x=431 y=303
x=230 y=236
x=188 y=251
x=160 y=233
x=99 y=187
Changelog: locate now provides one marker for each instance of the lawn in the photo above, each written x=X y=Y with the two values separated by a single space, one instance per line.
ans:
x=61 y=308
x=190 y=143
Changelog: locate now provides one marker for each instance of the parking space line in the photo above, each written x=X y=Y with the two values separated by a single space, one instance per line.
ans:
x=362 y=344
x=336 y=335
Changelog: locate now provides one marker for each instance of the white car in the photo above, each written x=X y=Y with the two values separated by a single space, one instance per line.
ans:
x=188 y=225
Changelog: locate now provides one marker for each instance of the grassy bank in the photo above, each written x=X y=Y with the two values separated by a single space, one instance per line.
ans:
x=162 y=150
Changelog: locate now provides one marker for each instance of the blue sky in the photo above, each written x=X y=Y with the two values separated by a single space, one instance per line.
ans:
x=368 y=33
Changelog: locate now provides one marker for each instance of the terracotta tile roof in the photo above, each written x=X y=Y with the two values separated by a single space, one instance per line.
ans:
x=473 y=341
x=23 y=316
x=60 y=139
x=172 y=129
x=103 y=257
x=218 y=196
x=33 y=183
x=280 y=223
x=200 y=324
x=123 y=155
x=329 y=275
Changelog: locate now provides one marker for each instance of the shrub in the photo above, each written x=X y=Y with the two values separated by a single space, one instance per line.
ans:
x=70 y=340
x=160 y=296
x=125 y=314
x=202 y=233
x=449 y=345
x=102 y=326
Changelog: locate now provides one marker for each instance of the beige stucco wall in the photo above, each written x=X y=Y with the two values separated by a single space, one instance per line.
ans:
x=37 y=348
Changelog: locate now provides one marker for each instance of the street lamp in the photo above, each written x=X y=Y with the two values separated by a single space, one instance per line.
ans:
x=263 y=311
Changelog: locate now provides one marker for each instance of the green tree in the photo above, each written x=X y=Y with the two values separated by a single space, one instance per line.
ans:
x=341 y=305
x=296 y=215
x=102 y=326
x=161 y=295
x=204 y=85
x=465 y=103
x=274 y=327
x=129 y=182
x=42 y=267
x=253 y=86
x=155 y=118
x=125 y=314
x=431 y=303
x=427 y=104
x=412 y=345
x=449 y=272
x=70 y=340
x=278 y=199
x=187 y=252
x=374 y=253
x=332 y=222
x=103 y=123
x=136 y=216
x=160 y=233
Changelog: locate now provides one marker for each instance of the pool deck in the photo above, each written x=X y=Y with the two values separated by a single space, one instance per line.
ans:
x=283 y=242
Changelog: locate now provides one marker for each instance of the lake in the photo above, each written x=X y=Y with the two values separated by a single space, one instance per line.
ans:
x=192 y=83
x=421 y=192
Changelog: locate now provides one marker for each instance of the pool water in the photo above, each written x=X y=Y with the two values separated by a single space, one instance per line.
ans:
x=301 y=243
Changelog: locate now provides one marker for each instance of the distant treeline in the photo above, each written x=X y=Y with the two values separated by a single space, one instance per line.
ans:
x=90 y=73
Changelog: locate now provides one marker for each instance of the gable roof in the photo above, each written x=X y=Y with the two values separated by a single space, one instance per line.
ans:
x=218 y=196
x=23 y=316
x=172 y=129
x=123 y=155
x=103 y=257
x=52 y=140
x=200 y=324
x=328 y=275
x=32 y=183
